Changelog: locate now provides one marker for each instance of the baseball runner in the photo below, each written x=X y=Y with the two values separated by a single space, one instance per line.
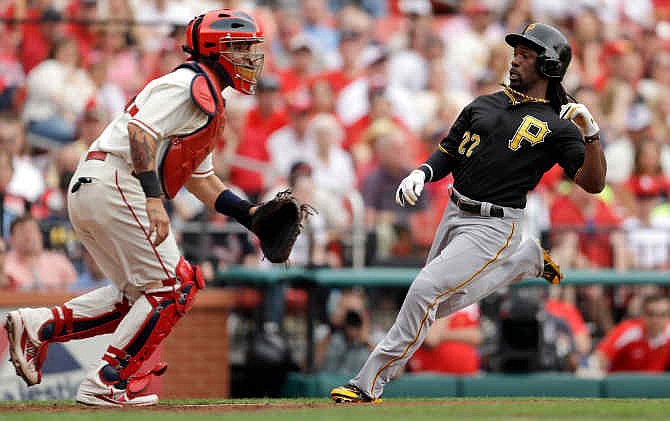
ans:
x=161 y=142
x=497 y=150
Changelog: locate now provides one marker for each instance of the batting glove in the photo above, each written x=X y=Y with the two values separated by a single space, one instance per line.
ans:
x=581 y=116
x=410 y=188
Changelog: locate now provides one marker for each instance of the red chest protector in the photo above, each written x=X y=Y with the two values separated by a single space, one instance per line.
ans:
x=185 y=153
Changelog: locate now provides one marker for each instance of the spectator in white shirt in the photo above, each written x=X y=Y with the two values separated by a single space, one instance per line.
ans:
x=28 y=181
x=290 y=143
x=333 y=166
x=57 y=92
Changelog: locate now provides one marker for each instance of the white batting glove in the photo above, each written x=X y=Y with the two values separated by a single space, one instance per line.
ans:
x=410 y=188
x=581 y=116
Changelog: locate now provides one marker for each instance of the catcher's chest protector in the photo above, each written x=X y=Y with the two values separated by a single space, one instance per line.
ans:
x=185 y=153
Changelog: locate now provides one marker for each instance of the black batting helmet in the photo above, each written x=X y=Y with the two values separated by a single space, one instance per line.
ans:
x=553 y=49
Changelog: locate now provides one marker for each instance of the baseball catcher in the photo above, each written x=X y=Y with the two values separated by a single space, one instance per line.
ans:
x=161 y=142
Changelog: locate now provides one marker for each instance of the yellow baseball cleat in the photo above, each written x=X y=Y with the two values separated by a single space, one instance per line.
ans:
x=350 y=394
x=552 y=272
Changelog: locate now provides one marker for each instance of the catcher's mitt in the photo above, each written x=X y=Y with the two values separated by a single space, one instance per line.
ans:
x=277 y=223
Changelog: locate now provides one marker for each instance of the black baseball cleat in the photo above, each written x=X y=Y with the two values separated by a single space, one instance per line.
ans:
x=552 y=273
x=350 y=394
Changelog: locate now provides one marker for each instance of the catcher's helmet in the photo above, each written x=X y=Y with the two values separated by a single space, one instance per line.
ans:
x=231 y=39
x=553 y=49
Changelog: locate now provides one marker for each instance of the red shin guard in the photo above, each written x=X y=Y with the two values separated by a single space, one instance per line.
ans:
x=167 y=308
x=63 y=326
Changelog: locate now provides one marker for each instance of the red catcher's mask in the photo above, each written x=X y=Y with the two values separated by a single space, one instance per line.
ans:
x=232 y=39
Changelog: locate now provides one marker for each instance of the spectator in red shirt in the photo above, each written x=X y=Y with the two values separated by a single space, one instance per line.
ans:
x=252 y=161
x=322 y=96
x=380 y=109
x=34 y=37
x=641 y=344
x=84 y=13
x=451 y=344
x=586 y=234
x=12 y=76
x=591 y=219
x=37 y=39
x=647 y=237
x=295 y=79
x=350 y=47
x=647 y=178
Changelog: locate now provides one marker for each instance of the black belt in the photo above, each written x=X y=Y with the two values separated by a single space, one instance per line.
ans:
x=472 y=206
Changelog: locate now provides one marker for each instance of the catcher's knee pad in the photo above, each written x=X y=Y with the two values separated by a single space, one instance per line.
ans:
x=167 y=308
x=63 y=326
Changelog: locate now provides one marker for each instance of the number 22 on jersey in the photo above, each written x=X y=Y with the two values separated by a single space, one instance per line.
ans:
x=468 y=144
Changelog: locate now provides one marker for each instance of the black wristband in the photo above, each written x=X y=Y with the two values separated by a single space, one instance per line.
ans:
x=428 y=170
x=591 y=139
x=230 y=204
x=149 y=183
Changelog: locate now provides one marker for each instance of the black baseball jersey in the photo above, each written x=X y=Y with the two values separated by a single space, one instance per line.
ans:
x=503 y=144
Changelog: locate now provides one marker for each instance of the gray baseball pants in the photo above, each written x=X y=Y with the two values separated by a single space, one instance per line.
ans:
x=471 y=256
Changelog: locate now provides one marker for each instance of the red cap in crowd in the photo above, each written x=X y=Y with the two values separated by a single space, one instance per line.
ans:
x=617 y=47
x=647 y=185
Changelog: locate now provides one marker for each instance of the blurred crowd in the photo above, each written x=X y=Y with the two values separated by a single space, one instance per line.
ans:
x=354 y=94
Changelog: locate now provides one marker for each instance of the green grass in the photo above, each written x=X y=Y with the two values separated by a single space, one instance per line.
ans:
x=394 y=409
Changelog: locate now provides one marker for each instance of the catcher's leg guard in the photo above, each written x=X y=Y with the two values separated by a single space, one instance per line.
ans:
x=63 y=326
x=166 y=308
x=30 y=330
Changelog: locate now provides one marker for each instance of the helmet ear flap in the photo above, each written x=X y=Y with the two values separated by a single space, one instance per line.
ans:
x=549 y=67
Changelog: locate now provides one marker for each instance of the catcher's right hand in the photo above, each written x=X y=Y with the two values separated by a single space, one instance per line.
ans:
x=410 y=188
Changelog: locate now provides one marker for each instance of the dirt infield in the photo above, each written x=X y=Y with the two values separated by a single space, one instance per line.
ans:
x=260 y=407
x=447 y=409
x=230 y=407
x=162 y=407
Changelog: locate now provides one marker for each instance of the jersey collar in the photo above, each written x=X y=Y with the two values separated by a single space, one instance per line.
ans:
x=517 y=97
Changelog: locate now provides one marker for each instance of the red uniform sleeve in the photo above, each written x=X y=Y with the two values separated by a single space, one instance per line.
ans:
x=608 y=345
x=575 y=320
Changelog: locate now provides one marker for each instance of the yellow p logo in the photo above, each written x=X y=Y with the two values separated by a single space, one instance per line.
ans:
x=529 y=28
x=531 y=130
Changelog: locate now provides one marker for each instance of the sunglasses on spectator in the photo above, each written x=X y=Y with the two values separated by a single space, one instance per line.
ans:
x=351 y=35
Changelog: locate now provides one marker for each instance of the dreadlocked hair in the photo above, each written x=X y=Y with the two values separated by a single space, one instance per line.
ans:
x=557 y=95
